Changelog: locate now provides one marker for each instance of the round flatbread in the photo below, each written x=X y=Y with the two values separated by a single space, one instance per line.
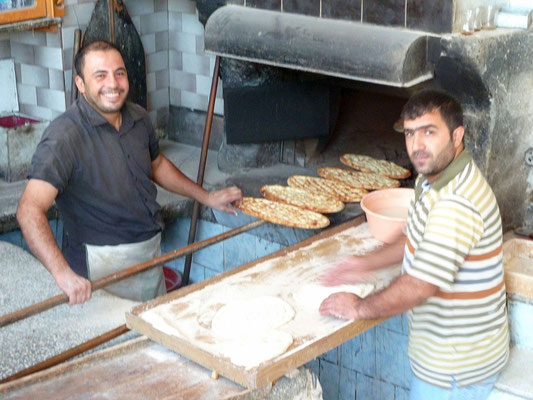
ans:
x=251 y=317
x=283 y=214
x=338 y=190
x=367 y=180
x=370 y=164
x=301 y=198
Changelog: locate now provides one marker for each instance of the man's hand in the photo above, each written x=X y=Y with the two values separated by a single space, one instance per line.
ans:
x=76 y=287
x=341 y=305
x=348 y=270
x=222 y=199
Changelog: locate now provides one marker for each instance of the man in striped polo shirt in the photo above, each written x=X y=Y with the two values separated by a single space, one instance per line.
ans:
x=452 y=283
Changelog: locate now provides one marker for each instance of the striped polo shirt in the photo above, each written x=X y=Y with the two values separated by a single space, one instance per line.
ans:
x=454 y=241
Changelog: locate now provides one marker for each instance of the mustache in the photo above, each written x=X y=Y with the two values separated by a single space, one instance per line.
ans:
x=420 y=153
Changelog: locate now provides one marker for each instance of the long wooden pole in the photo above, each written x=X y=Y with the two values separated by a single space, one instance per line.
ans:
x=201 y=166
x=68 y=354
x=126 y=273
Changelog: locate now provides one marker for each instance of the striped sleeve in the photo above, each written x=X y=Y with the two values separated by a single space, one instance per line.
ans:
x=453 y=228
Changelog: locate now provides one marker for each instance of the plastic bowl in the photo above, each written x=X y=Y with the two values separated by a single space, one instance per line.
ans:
x=172 y=278
x=386 y=212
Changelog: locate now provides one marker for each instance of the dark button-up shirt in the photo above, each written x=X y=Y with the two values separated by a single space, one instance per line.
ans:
x=104 y=178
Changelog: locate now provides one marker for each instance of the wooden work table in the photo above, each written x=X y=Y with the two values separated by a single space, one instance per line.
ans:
x=143 y=369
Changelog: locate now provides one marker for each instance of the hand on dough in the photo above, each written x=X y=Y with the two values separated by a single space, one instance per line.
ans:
x=341 y=305
x=348 y=270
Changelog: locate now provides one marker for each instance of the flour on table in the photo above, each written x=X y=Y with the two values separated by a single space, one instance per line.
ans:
x=251 y=317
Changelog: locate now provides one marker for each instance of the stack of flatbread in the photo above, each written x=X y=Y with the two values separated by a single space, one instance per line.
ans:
x=301 y=203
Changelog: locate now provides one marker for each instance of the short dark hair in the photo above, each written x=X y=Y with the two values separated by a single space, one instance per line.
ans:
x=99 y=45
x=426 y=101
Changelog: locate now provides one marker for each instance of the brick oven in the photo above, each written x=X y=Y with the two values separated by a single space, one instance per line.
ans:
x=306 y=80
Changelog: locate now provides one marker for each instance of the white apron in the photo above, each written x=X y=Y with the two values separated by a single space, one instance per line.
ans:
x=106 y=260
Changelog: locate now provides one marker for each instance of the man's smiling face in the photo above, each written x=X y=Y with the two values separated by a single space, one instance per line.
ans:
x=104 y=82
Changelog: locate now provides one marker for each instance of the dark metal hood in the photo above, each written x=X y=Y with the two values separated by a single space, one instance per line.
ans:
x=351 y=50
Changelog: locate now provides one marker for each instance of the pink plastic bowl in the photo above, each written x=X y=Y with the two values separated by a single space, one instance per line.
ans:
x=386 y=212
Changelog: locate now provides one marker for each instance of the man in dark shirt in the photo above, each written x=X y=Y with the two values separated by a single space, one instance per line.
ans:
x=98 y=161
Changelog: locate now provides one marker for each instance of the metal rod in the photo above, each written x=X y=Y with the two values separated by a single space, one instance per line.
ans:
x=73 y=87
x=201 y=166
x=126 y=273
x=68 y=354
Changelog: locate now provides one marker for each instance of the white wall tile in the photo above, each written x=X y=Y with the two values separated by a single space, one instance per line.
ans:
x=158 y=99
x=161 y=41
x=174 y=21
x=203 y=85
x=137 y=23
x=162 y=79
x=5 y=49
x=197 y=64
x=157 y=61
x=68 y=81
x=148 y=42
x=34 y=38
x=53 y=99
x=182 y=80
x=150 y=82
x=34 y=75
x=27 y=94
x=193 y=100
x=181 y=41
x=185 y=6
x=175 y=60
x=140 y=7
x=67 y=36
x=53 y=39
x=78 y=15
x=42 y=113
x=22 y=53
x=160 y=5
x=56 y=79
x=49 y=57
x=191 y=24
x=156 y=22
x=200 y=44
x=175 y=97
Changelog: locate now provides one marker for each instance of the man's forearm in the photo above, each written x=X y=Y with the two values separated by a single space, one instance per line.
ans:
x=166 y=175
x=402 y=295
x=41 y=241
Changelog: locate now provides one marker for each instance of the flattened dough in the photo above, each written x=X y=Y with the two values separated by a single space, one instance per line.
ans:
x=253 y=350
x=251 y=317
x=247 y=330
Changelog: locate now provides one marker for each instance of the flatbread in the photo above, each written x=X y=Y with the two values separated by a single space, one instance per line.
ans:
x=302 y=198
x=315 y=185
x=283 y=214
x=366 y=180
x=244 y=318
x=248 y=329
x=377 y=166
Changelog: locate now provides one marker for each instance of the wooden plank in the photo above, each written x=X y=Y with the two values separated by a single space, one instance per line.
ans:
x=138 y=368
x=303 y=349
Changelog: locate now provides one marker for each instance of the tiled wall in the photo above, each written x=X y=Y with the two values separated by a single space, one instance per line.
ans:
x=39 y=72
x=178 y=71
x=437 y=16
x=190 y=68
